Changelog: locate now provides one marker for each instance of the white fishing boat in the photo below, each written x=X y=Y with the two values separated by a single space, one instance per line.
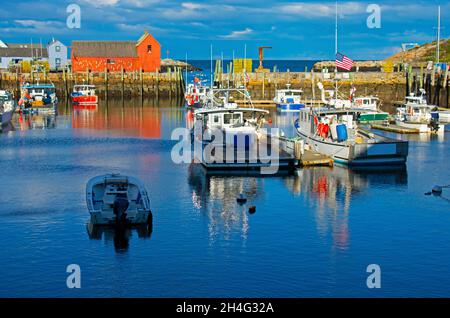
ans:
x=236 y=135
x=443 y=116
x=115 y=199
x=7 y=107
x=417 y=114
x=38 y=96
x=370 y=109
x=335 y=133
x=369 y=103
x=234 y=122
x=289 y=100
x=196 y=94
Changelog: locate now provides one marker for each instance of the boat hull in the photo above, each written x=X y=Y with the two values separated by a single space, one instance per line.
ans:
x=373 y=117
x=422 y=128
x=6 y=117
x=363 y=154
x=285 y=107
x=82 y=100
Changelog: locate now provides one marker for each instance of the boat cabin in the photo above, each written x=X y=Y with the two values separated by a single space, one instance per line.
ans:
x=288 y=96
x=370 y=103
x=84 y=89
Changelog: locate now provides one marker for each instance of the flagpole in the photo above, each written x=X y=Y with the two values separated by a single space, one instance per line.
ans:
x=335 y=55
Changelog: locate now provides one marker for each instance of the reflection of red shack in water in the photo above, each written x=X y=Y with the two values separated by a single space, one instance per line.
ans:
x=133 y=122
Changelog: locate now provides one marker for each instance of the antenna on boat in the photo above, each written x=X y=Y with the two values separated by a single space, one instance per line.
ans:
x=186 y=71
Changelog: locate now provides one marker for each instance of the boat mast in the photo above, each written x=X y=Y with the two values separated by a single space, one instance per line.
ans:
x=186 y=72
x=211 y=92
x=335 y=55
x=438 y=35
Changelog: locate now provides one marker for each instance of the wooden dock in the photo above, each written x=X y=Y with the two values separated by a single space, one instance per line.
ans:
x=304 y=157
x=267 y=103
x=395 y=129
x=257 y=103
x=310 y=158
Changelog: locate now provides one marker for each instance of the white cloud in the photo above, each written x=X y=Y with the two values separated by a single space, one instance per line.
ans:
x=316 y=10
x=192 y=6
x=101 y=3
x=238 y=34
x=24 y=26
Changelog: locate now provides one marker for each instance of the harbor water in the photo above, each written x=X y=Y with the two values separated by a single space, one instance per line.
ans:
x=313 y=234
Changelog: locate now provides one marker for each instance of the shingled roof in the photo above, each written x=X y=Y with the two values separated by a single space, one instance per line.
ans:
x=23 y=52
x=104 y=49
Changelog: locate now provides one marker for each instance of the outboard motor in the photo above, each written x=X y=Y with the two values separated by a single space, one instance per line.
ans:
x=434 y=122
x=120 y=207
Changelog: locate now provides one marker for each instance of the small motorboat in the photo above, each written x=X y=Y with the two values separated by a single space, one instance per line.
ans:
x=115 y=199
x=418 y=114
x=84 y=95
x=7 y=107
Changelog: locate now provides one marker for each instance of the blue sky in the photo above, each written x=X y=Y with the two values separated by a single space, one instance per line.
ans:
x=295 y=29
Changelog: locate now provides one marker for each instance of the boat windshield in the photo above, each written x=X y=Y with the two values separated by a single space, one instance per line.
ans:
x=232 y=119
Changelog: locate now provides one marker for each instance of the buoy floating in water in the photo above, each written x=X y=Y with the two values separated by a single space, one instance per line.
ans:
x=252 y=209
x=437 y=190
x=241 y=199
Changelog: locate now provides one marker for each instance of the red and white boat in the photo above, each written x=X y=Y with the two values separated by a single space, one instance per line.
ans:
x=84 y=94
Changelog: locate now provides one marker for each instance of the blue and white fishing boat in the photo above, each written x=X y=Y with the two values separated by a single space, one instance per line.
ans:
x=38 y=96
x=335 y=133
x=289 y=100
x=235 y=133
x=7 y=107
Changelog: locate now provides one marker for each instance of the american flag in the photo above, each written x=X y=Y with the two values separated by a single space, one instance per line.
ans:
x=344 y=62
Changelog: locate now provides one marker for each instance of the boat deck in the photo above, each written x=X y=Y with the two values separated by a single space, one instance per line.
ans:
x=395 y=129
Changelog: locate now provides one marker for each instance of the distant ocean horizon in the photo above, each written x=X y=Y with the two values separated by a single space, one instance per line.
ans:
x=281 y=65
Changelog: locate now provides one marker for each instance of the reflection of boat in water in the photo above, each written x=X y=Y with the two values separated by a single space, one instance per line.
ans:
x=215 y=197
x=357 y=178
x=85 y=107
x=330 y=192
x=31 y=121
x=120 y=236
